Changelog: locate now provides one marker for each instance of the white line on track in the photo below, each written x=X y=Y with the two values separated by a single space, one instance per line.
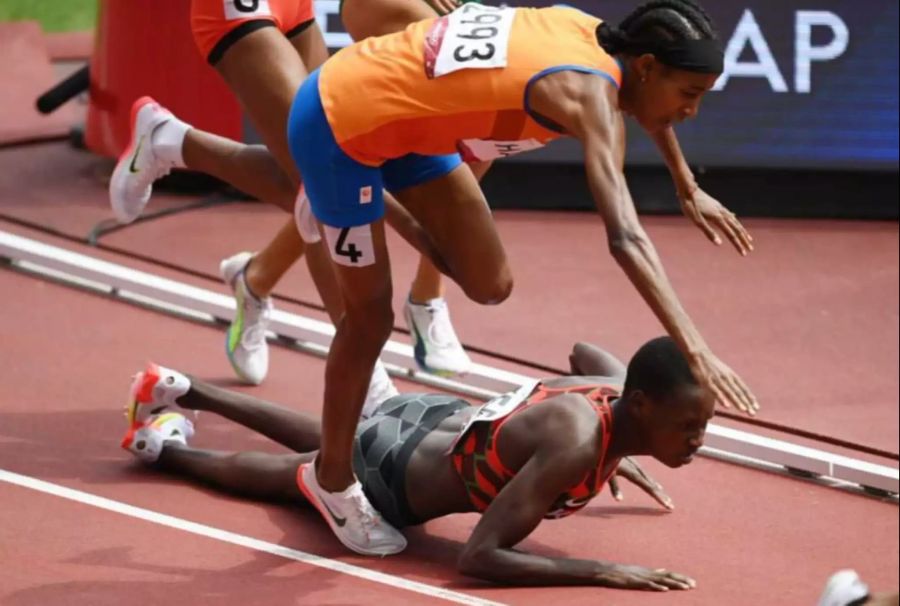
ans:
x=241 y=540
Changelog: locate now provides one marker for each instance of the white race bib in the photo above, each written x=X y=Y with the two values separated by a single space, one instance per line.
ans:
x=497 y=408
x=350 y=246
x=484 y=149
x=245 y=9
x=471 y=37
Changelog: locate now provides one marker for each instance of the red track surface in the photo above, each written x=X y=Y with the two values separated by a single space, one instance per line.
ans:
x=810 y=320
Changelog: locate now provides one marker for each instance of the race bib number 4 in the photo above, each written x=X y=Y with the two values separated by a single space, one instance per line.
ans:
x=350 y=246
x=473 y=36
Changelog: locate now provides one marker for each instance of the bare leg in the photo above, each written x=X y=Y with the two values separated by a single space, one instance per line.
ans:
x=888 y=599
x=428 y=283
x=271 y=263
x=250 y=168
x=265 y=70
x=255 y=475
x=453 y=211
x=361 y=334
x=298 y=431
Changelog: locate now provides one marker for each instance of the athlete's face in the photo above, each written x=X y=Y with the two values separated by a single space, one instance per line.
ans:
x=662 y=96
x=675 y=427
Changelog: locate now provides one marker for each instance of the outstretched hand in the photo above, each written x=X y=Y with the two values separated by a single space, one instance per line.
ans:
x=631 y=471
x=712 y=217
x=647 y=579
x=726 y=385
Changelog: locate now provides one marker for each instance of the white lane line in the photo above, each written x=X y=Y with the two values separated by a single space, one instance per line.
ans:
x=241 y=540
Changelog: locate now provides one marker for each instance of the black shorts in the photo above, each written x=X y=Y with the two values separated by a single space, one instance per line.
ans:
x=385 y=442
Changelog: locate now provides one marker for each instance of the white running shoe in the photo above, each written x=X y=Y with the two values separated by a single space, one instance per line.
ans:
x=132 y=181
x=245 y=342
x=146 y=440
x=437 y=348
x=351 y=517
x=154 y=391
x=381 y=388
x=844 y=588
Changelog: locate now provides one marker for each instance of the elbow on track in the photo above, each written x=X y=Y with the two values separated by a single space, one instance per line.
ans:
x=474 y=563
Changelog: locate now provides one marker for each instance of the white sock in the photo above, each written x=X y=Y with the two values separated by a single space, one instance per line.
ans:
x=168 y=139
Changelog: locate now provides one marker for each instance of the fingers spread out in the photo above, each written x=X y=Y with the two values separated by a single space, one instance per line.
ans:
x=732 y=394
x=721 y=397
x=739 y=387
x=735 y=238
x=700 y=221
x=746 y=238
x=614 y=489
x=736 y=233
x=659 y=495
x=671 y=580
x=709 y=232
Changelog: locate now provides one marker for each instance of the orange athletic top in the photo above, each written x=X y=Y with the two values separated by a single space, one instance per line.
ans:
x=478 y=463
x=456 y=83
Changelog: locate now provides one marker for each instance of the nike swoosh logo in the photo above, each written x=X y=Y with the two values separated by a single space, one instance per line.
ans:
x=337 y=520
x=134 y=156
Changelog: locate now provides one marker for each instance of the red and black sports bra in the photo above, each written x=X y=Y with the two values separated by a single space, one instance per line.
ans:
x=476 y=459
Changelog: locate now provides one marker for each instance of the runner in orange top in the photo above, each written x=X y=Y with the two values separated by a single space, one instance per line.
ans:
x=419 y=455
x=490 y=82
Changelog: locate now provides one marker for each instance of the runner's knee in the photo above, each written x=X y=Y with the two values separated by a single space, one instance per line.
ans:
x=371 y=325
x=491 y=292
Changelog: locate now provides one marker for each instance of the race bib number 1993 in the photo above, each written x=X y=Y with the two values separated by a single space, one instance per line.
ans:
x=473 y=36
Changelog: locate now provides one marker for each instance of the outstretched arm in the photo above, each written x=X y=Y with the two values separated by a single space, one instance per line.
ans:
x=586 y=107
x=521 y=505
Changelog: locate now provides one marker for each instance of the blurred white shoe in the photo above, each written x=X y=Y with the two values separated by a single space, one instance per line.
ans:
x=245 y=342
x=139 y=165
x=381 y=388
x=146 y=440
x=844 y=588
x=154 y=391
x=351 y=517
x=436 y=346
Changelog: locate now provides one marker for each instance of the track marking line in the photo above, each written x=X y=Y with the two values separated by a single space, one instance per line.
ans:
x=241 y=540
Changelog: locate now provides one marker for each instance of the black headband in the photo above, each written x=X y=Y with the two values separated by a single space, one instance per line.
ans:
x=703 y=56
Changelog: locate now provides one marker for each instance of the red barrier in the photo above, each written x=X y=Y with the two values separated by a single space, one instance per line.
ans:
x=145 y=47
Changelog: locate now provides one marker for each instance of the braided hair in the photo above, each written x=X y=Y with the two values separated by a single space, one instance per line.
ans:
x=656 y=25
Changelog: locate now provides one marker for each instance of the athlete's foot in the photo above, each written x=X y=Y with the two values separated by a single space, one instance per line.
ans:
x=351 y=517
x=146 y=440
x=154 y=391
x=245 y=342
x=381 y=388
x=143 y=162
x=436 y=346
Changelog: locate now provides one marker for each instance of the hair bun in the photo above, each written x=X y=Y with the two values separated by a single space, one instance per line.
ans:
x=612 y=39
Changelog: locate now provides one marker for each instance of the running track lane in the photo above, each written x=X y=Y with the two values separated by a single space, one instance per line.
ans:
x=748 y=537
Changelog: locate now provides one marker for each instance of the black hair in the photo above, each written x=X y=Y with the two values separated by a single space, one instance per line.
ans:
x=658 y=369
x=656 y=23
